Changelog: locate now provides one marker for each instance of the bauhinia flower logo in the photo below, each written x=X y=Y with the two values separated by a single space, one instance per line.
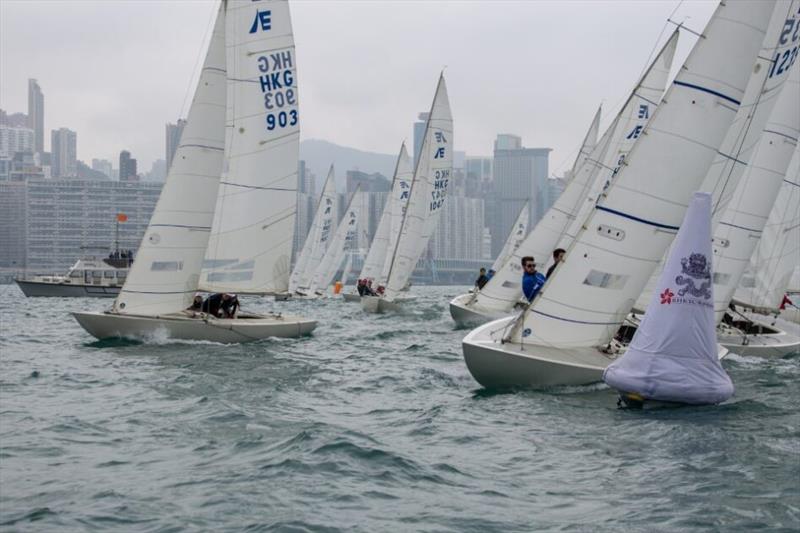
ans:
x=666 y=296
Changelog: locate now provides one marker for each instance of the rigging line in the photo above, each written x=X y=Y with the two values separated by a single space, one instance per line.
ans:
x=209 y=29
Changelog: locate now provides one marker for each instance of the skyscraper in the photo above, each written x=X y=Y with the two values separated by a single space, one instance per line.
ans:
x=64 y=153
x=127 y=167
x=173 y=139
x=36 y=114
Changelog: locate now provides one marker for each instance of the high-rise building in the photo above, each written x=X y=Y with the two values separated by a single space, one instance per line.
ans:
x=419 y=133
x=127 y=167
x=460 y=232
x=520 y=175
x=173 y=139
x=13 y=199
x=64 y=153
x=14 y=120
x=15 y=139
x=104 y=166
x=375 y=182
x=36 y=114
x=306 y=204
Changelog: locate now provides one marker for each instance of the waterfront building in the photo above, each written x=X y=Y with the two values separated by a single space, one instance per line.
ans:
x=63 y=153
x=306 y=205
x=173 y=139
x=103 y=165
x=13 y=203
x=15 y=139
x=127 y=167
x=460 y=232
x=36 y=114
x=14 y=120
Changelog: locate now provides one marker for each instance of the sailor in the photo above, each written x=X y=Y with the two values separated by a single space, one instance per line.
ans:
x=532 y=280
x=196 y=307
x=213 y=304
x=368 y=289
x=490 y=275
x=360 y=286
x=229 y=306
x=558 y=257
x=482 y=279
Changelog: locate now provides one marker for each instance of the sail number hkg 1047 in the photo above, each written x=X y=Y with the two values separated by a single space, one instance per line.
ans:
x=277 y=85
x=440 y=180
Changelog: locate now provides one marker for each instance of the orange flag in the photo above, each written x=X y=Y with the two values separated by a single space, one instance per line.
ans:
x=122 y=217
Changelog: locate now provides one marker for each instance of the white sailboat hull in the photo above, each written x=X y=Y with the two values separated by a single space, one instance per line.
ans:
x=351 y=297
x=377 y=305
x=471 y=315
x=775 y=339
x=66 y=290
x=246 y=328
x=495 y=364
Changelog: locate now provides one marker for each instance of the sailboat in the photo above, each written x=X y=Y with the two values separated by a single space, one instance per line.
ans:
x=345 y=240
x=519 y=230
x=229 y=197
x=376 y=265
x=754 y=325
x=673 y=356
x=596 y=165
x=560 y=338
x=317 y=241
x=427 y=194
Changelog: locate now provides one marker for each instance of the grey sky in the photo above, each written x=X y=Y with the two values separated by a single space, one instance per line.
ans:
x=116 y=71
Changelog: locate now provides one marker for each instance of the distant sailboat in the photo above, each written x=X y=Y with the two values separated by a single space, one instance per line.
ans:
x=515 y=237
x=427 y=195
x=673 y=356
x=317 y=240
x=589 y=178
x=238 y=189
x=558 y=340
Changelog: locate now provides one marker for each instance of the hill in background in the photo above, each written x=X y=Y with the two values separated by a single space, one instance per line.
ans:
x=319 y=155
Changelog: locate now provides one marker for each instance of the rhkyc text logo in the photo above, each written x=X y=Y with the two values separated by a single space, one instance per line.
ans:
x=263 y=20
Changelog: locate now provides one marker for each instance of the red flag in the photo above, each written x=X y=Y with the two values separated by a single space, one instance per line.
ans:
x=122 y=217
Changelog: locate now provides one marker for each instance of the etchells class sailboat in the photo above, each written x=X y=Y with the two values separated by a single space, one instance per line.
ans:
x=233 y=179
x=673 y=355
x=596 y=165
x=559 y=339
x=427 y=194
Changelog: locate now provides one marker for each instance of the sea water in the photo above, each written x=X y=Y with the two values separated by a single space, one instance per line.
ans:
x=372 y=424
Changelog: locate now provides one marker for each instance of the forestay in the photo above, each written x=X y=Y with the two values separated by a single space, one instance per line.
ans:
x=251 y=241
x=427 y=195
x=778 y=252
x=742 y=223
x=768 y=75
x=165 y=275
x=673 y=355
x=317 y=240
x=392 y=214
x=515 y=237
x=345 y=239
x=606 y=268
x=574 y=205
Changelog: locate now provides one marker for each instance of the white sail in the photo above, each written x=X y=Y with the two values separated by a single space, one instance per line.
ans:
x=345 y=240
x=575 y=203
x=384 y=238
x=628 y=231
x=317 y=240
x=742 y=223
x=778 y=251
x=427 y=194
x=165 y=275
x=251 y=241
x=588 y=145
x=515 y=237
x=673 y=355
x=768 y=75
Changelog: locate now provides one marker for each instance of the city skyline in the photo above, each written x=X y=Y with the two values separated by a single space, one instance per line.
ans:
x=537 y=70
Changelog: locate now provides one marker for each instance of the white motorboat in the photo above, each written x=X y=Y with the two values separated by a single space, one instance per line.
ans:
x=755 y=334
x=88 y=277
x=585 y=302
x=225 y=216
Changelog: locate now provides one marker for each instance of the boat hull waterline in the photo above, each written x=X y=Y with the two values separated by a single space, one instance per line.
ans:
x=33 y=289
x=183 y=327
x=494 y=364
x=470 y=316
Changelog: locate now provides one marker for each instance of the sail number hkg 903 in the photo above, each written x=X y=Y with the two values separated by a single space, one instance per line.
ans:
x=277 y=85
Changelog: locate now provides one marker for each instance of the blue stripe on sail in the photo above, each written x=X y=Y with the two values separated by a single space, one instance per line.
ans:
x=637 y=219
x=204 y=228
x=576 y=321
x=707 y=90
x=740 y=227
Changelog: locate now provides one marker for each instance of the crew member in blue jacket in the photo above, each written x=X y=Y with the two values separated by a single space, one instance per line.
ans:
x=532 y=280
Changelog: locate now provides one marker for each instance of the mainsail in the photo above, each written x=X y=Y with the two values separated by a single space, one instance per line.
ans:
x=385 y=238
x=778 y=251
x=742 y=223
x=574 y=205
x=345 y=240
x=427 y=194
x=318 y=237
x=515 y=237
x=164 y=277
x=628 y=231
x=251 y=240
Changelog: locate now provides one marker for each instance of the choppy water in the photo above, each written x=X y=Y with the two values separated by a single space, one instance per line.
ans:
x=372 y=424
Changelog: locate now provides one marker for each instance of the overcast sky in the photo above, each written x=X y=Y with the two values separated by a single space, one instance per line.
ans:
x=116 y=71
